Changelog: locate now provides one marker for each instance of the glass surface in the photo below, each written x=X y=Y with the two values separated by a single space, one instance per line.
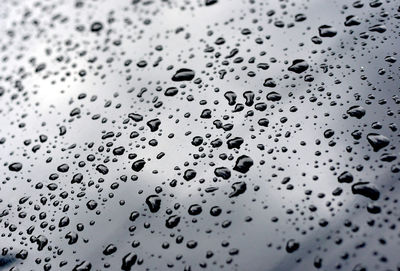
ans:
x=199 y=135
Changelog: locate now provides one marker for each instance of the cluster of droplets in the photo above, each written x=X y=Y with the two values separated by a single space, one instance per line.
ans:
x=227 y=145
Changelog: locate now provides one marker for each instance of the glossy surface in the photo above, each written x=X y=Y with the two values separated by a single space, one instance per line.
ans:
x=199 y=135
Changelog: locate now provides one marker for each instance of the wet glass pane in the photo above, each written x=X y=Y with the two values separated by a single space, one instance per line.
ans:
x=199 y=135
